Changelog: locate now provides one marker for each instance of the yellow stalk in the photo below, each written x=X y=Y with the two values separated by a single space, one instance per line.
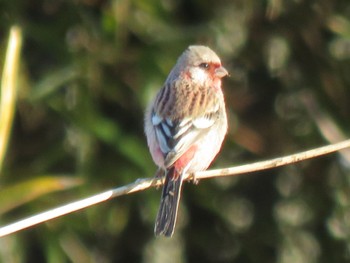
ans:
x=9 y=88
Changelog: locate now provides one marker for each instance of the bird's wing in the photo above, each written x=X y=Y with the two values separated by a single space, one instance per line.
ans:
x=176 y=136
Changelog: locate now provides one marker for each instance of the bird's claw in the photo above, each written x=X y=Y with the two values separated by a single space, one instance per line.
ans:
x=159 y=175
x=194 y=179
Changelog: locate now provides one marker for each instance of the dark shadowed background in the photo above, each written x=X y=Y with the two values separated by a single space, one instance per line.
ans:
x=88 y=70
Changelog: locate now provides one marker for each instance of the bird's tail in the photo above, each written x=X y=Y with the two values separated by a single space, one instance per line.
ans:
x=169 y=204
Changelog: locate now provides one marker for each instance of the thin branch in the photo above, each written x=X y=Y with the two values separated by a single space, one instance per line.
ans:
x=138 y=185
x=142 y=184
x=277 y=162
x=326 y=125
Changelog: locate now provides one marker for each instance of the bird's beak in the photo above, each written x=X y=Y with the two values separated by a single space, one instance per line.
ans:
x=220 y=72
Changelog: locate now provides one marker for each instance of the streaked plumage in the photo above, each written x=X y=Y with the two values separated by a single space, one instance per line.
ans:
x=185 y=125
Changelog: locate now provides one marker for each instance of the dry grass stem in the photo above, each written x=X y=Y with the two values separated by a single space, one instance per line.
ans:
x=142 y=184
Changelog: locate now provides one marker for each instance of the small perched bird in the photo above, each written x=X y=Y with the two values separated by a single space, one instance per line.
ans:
x=185 y=125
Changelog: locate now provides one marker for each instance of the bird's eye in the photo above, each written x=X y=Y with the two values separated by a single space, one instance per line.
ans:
x=204 y=65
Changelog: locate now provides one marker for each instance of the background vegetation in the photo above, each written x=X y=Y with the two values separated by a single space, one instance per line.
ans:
x=88 y=69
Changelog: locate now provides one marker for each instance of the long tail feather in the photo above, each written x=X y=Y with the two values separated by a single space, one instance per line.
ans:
x=169 y=204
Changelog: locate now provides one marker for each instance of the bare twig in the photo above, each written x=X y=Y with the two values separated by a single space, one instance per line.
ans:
x=327 y=126
x=142 y=184
x=277 y=162
x=138 y=185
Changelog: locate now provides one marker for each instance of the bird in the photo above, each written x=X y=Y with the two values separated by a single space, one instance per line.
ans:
x=185 y=125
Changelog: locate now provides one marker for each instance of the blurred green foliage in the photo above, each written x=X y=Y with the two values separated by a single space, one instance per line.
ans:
x=88 y=70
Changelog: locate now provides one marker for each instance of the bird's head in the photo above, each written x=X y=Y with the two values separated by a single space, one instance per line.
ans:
x=201 y=65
